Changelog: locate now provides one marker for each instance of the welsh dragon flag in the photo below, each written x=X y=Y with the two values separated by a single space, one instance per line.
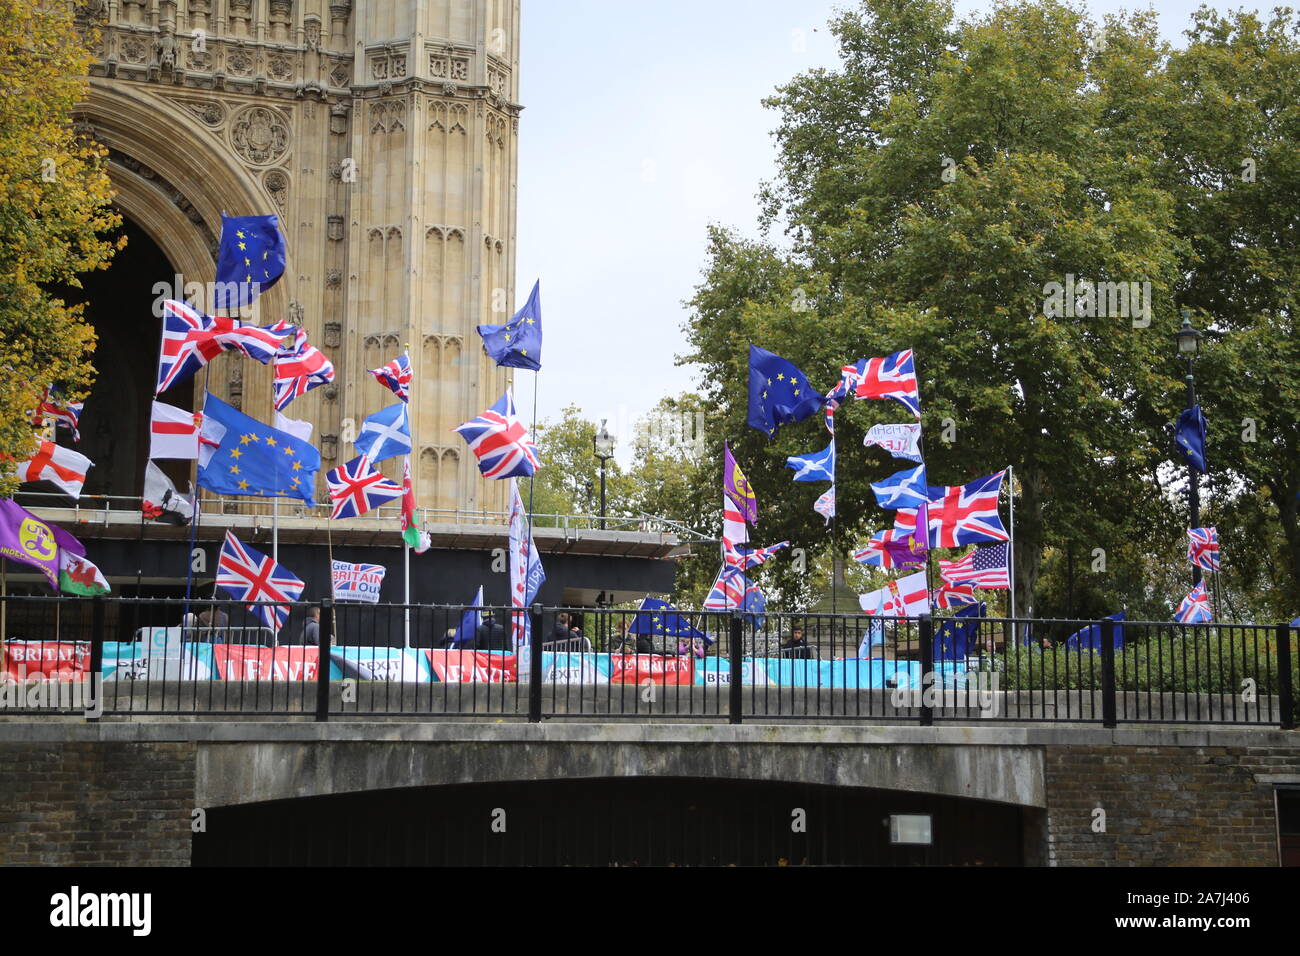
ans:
x=411 y=532
x=79 y=576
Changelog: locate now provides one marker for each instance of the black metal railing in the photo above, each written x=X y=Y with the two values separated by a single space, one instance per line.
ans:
x=214 y=658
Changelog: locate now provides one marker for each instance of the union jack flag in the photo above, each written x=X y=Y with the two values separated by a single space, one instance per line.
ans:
x=357 y=487
x=732 y=591
x=299 y=367
x=743 y=558
x=61 y=412
x=1203 y=548
x=396 y=376
x=893 y=376
x=961 y=514
x=190 y=340
x=499 y=442
x=249 y=575
x=984 y=568
x=825 y=505
x=952 y=595
x=1195 y=608
x=891 y=549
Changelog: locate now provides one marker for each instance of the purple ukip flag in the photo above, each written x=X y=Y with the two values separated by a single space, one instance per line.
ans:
x=737 y=488
x=29 y=540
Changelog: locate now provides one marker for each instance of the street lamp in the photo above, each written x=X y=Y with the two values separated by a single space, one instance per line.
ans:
x=1189 y=343
x=603 y=443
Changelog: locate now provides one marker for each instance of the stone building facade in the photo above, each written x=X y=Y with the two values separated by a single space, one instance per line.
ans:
x=384 y=133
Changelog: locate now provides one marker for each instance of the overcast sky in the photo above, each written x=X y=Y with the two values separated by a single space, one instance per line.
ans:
x=642 y=124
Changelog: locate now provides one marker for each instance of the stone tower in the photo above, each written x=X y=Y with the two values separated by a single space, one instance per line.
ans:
x=385 y=135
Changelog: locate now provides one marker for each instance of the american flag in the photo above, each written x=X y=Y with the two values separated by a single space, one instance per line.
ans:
x=299 y=367
x=961 y=514
x=249 y=575
x=893 y=376
x=953 y=595
x=190 y=340
x=1203 y=548
x=396 y=376
x=1195 y=608
x=984 y=568
x=357 y=487
x=59 y=411
x=743 y=558
x=500 y=442
x=732 y=591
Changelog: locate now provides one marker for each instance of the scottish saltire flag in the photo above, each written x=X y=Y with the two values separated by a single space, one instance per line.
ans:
x=500 y=442
x=736 y=556
x=891 y=549
x=1203 y=548
x=779 y=394
x=893 y=376
x=53 y=407
x=248 y=575
x=1195 y=608
x=190 y=340
x=953 y=595
x=518 y=343
x=357 y=487
x=961 y=514
x=985 y=568
x=470 y=621
x=249 y=261
x=955 y=637
x=1089 y=638
x=732 y=591
x=385 y=434
x=825 y=505
x=526 y=573
x=737 y=487
x=396 y=376
x=661 y=618
x=814 y=466
x=299 y=367
x=62 y=467
x=238 y=455
x=903 y=489
x=1190 y=437
x=901 y=441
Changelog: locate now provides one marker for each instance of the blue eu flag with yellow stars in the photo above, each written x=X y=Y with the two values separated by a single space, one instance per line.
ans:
x=660 y=617
x=779 y=394
x=239 y=455
x=518 y=343
x=250 y=260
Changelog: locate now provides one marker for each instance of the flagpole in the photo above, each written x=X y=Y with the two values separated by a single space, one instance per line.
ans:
x=406 y=545
x=139 y=547
x=920 y=447
x=1011 y=504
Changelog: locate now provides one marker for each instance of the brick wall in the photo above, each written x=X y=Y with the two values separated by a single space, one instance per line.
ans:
x=1165 y=806
x=79 y=804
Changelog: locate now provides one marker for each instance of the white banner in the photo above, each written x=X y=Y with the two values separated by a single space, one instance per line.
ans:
x=899 y=440
x=357 y=582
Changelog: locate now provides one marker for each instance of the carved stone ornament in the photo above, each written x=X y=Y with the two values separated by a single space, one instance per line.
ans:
x=240 y=63
x=277 y=184
x=341 y=76
x=281 y=68
x=333 y=279
x=260 y=135
x=339 y=118
x=134 y=50
x=333 y=334
x=329 y=447
x=210 y=113
x=334 y=228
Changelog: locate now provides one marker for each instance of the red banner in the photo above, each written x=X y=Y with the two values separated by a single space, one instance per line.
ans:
x=265 y=663
x=465 y=667
x=52 y=660
x=638 y=668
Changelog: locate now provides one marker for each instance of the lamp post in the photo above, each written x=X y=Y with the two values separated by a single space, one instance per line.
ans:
x=1189 y=342
x=603 y=443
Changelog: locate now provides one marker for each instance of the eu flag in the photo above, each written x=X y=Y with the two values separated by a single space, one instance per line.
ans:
x=660 y=617
x=518 y=343
x=779 y=394
x=250 y=260
x=239 y=455
x=1190 y=436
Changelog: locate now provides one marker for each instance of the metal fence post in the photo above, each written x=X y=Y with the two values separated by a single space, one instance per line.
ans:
x=96 y=667
x=534 y=665
x=1109 y=630
x=925 y=632
x=1285 y=689
x=737 y=653
x=323 y=660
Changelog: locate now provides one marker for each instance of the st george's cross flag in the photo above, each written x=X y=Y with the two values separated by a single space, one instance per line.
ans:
x=250 y=260
x=62 y=467
x=734 y=529
x=250 y=576
x=893 y=376
x=357 y=487
x=299 y=367
x=500 y=442
x=190 y=340
x=518 y=343
x=385 y=434
x=396 y=376
x=906 y=597
x=1195 y=608
x=1203 y=548
x=53 y=408
x=814 y=466
x=173 y=432
x=985 y=568
x=961 y=514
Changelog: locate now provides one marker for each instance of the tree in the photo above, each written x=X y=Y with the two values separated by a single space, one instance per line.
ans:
x=568 y=482
x=54 y=205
